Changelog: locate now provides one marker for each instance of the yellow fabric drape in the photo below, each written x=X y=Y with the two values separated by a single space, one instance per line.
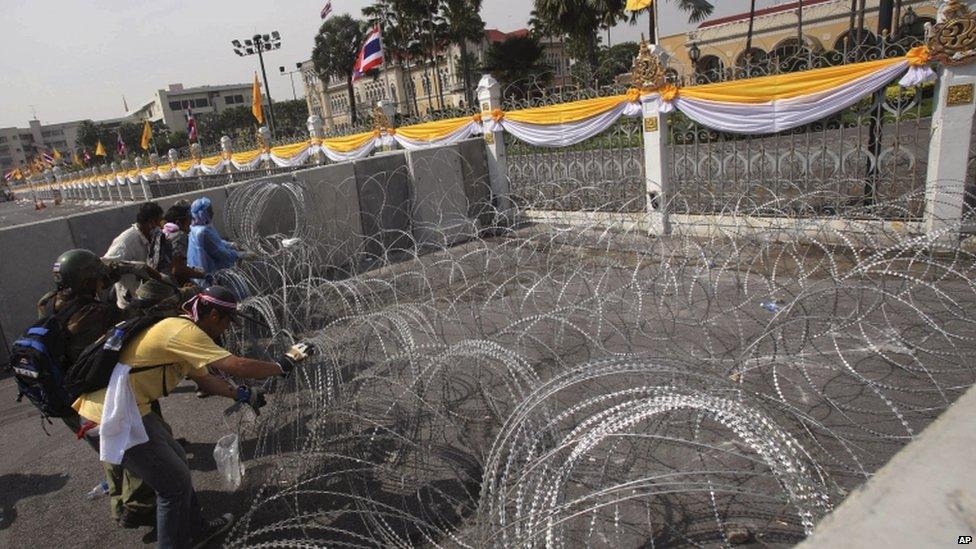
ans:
x=291 y=150
x=634 y=5
x=566 y=112
x=785 y=86
x=431 y=131
x=211 y=161
x=347 y=143
x=185 y=165
x=245 y=157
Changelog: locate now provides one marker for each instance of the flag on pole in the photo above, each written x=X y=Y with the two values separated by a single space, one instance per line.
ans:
x=46 y=157
x=256 y=108
x=56 y=154
x=637 y=5
x=371 y=56
x=191 y=125
x=326 y=10
x=10 y=174
x=87 y=156
x=99 y=149
x=146 y=135
x=119 y=144
x=76 y=160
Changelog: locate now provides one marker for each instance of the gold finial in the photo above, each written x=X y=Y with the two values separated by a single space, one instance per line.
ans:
x=953 y=40
x=648 y=72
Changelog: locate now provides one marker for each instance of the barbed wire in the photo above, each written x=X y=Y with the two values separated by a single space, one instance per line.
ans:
x=577 y=382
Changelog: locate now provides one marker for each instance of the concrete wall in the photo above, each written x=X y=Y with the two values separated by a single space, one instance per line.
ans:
x=354 y=211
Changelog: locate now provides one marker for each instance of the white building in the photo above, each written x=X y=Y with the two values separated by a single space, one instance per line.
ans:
x=170 y=105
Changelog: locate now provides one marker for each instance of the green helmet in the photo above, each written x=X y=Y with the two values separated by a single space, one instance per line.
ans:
x=75 y=268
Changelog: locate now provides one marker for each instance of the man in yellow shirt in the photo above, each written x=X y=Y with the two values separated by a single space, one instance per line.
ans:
x=160 y=358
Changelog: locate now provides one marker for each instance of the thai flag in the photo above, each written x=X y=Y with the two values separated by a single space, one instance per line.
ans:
x=86 y=156
x=9 y=175
x=326 y=10
x=47 y=156
x=191 y=125
x=371 y=56
x=119 y=144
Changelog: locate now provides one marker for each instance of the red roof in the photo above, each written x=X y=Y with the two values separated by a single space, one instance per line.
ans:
x=495 y=35
x=764 y=11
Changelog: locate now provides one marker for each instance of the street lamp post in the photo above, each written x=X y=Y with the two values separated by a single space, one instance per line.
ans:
x=260 y=43
x=291 y=75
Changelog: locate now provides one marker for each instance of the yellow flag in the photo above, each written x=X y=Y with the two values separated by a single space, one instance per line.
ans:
x=146 y=135
x=56 y=154
x=100 y=149
x=635 y=5
x=256 y=109
x=76 y=160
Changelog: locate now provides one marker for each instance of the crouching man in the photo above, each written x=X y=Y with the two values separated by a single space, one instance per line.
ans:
x=152 y=364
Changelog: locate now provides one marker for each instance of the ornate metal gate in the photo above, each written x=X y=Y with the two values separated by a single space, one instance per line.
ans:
x=869 y=157
x=603 y=173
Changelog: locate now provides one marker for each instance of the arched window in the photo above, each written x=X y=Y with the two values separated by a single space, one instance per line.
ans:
x=751 y=57
x=849 y=40
x=709 y=69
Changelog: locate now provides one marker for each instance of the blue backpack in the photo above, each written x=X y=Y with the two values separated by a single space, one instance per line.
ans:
x=37 y=361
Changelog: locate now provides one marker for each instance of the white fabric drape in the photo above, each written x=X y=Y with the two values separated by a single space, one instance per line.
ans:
x=363 y=151
x=252 y=165
x=784 y=114
x=464 y=132
x=296 y=160
x=571 y=133
x=220 y=167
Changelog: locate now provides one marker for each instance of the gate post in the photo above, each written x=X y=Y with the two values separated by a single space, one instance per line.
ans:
x=952 y=124
x=952 y=121
x=490 y=99
x=657 y=184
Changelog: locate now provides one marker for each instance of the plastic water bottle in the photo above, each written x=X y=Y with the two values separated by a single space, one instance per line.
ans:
x=772 y=306
x=100 y=489
x=114 y=342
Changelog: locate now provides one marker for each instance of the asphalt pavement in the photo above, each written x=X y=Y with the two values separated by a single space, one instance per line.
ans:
x=22 y=211
x=44 y=478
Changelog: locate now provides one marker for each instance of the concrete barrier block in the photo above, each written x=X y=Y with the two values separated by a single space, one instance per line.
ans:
x=28 y=253
x=96 y=230
x=439 y=215
x=477 y=186
x=384 y=203
x=332 y=206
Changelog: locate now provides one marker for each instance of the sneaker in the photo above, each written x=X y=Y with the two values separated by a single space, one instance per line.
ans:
x=213 y=528
x=201 y=394
x=129 y=519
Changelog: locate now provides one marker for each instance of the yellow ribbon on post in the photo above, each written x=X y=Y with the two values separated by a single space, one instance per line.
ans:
x=918 y=56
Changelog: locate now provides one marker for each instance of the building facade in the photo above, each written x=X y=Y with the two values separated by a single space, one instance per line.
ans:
x=170 y=105
x=417 y=88
x=19 y=145
x=823 y=25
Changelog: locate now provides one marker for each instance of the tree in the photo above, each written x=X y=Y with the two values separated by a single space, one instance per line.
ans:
x=616 y=60
x=336 y=46
x=463 y=23
x=515 y=59
x=581 y=19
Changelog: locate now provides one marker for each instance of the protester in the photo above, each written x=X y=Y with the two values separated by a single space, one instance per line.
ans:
x=159 y=358
x=177 y=233
x=207 y=251
x=80 y=277
x=134 y=244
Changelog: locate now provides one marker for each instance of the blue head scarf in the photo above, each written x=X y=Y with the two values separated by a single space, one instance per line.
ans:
x=200 y=211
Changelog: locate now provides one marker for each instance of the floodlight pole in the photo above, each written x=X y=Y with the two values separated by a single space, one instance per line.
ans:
x=259 y=43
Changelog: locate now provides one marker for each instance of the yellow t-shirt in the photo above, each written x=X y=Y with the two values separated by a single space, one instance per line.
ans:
x=176 y=342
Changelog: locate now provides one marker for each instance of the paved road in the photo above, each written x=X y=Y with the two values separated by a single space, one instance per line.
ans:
x=20 y=212
x=44 y=479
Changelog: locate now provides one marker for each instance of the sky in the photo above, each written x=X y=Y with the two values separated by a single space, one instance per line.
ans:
x=77 y=60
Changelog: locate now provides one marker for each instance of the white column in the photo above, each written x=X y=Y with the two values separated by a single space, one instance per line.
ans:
x=490 y=98
x=314 y=126
x=657 y=184
x=952 y=124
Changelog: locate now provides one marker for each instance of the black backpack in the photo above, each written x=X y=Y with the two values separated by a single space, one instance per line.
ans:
x=93 y=369
x=37 y=361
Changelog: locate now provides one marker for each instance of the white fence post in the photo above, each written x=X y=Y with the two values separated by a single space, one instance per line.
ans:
x=657 y=182
x=490 y=99
x=952 y=124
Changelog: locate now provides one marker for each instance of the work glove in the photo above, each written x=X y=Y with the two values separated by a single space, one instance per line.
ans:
x=294 y=356
x=252 y=396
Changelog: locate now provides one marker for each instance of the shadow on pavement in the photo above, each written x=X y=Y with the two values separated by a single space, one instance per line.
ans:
x=17 y=486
